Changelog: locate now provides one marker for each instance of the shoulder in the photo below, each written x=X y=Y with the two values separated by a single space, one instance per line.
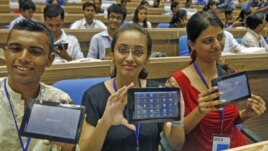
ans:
x=53 y=94
x=96 y=89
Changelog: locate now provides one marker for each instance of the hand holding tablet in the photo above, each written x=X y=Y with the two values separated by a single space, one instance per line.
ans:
x=153 y=104
x=52 y=121
x=235 y=87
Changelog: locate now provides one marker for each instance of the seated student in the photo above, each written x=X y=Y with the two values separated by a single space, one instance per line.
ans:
x=28 y=52
x=226 y=5
x=105 y=127
x=156 y=3
x=27 y=9
x=99 y=42
x=53 y=19
x=145 y=4
x=98 y=3
x=242 y=17
x=202 y=120
x=230 y=45
x=188 y=4
x=253 y=38
x=210 y=6
x=179 y=20
x=58 y=2
x=88 y=22
x=254 y=4
x=140 y=17
x=174 y=7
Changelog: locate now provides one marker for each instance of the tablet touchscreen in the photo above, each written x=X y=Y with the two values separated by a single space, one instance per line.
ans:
x=52 y=121
x=235 y=87
x=153 y=104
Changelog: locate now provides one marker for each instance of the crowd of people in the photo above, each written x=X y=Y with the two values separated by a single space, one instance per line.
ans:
x=31 y=48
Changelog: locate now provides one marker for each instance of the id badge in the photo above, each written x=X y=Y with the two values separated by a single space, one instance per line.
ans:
x=220 y=143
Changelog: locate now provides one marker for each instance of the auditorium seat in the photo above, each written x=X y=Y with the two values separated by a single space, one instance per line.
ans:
x=76 y=87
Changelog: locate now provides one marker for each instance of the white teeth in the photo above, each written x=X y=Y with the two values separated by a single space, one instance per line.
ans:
x=23 y=69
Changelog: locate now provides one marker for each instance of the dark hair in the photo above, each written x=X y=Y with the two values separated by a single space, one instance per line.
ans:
x=88 y=4
x=144 y=2
x=174 y=5
x=136 y=16
x=179 y=15
x=198 y=23
x=32 y=26
x=53 y=10
x=133 y=27
x=119 y=9
x=209 y=4
x=254 y=20
x=27 y=5
x=243 y=13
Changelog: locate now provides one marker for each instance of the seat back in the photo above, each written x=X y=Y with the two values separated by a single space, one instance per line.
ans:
x=162 y=25
x=183 y=46
x=76 y=87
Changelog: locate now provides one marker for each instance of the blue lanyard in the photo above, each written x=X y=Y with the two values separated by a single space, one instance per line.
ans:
x=137 y=131
x=205 y=83
x=23 y=147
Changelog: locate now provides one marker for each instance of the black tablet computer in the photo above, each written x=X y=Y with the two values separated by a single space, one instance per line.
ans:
x=235 y=87
x=52 y=121
x=153 y=104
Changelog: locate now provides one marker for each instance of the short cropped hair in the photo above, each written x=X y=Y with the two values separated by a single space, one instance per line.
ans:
x=32 y=26
x=119 y=9
x=254 y=20
x=53 y=10
x=27 y=5
x=88 y=4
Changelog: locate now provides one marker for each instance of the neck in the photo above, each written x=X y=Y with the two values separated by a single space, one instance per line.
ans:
x=111 y=32
x=89 y=21
x=120 y=82
x=27 y=90
x=208 y=69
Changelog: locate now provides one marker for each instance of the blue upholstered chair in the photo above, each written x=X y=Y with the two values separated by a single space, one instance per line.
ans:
x=162 y=25
x=183 y=46
x=76 y=87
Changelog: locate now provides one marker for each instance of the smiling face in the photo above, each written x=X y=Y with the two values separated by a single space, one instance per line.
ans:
x=130 y=54
x=115 y=20
x=27 y=56
x=209 y=44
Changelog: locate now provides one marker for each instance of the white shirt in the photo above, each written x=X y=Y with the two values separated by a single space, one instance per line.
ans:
x=231 y=45
x=82 y=24
x=73 y=49
x=252 y=39
x=16 y=20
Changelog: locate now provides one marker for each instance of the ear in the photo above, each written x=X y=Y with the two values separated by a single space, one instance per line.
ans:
x=191 y=45
x=51 y=58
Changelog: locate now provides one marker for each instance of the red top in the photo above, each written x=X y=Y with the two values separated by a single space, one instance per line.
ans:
x=200 y=138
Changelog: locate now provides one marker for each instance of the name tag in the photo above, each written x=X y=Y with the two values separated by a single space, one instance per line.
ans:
x=220 y=143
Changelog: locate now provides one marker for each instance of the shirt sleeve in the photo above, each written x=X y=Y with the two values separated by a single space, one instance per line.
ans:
x=77 y=50
x=93 y=48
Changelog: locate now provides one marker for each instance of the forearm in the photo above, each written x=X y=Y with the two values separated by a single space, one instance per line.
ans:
x=95 y=140
x=192 y=120
x=176 y=136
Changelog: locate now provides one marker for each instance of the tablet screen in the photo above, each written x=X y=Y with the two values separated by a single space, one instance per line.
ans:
x=235 y=87
x=53 y=121
x=154 y=104
x=43 y=120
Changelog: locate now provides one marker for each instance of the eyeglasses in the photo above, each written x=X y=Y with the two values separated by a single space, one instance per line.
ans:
x=119 y=18
x=138 y=51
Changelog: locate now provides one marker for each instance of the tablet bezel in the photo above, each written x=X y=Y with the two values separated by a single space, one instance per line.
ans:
x=215 y=81
x=131 y=104
x=27 y=115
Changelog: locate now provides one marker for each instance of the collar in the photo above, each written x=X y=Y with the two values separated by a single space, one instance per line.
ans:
x=84 y=23
x=106 y=34
x=62 y=38
x=258 y=36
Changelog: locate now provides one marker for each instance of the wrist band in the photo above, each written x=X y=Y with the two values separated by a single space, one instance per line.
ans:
x=178 y=123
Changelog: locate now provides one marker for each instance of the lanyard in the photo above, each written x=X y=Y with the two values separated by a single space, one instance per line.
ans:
x=137 y=131
x=23 y=147
x=205 y=83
